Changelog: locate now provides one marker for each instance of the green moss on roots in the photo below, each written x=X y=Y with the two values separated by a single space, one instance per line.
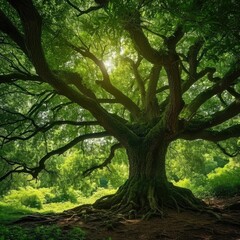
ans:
x=139 y=198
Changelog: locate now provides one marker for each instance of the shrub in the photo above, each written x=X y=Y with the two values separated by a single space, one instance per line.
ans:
x=28 y=197
x=63 y=195
x=225 y=181
x=32 y=201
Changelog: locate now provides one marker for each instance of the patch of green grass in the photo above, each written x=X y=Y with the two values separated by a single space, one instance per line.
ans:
x=41 y=199
x=9 y=213
x=56 y=207
x=52 y=232
x=19 y=203
x=12 y=208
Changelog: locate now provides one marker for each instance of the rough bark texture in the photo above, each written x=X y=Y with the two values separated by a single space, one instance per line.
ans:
x=147 y=191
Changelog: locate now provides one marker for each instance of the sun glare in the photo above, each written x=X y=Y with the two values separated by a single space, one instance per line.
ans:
x=109 y=65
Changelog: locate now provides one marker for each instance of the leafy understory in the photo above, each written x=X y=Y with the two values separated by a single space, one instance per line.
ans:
x=41 y=232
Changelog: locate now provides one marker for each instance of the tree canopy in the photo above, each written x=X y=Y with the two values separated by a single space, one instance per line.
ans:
x=132 y=74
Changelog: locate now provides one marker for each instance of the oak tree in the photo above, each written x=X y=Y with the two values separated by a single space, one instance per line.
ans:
x=140 y=73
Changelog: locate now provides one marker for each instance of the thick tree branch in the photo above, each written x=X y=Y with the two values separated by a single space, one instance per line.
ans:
x=106 y=83
x=122 y=99
x=151 y=103
x=34 y=171
x=172 y=41
x=7 y=27
x=218 y=87
x=211 y=135
x=172 y=68
x=29 y=133
x=10 y=78
x=192 y=58
x=77 y=81
x=234 y=93
x=108 y=100
x=82 y=12
x=175 y=99
x=220 y=117
x=193 y=78
x=132 y=24
x=32 y=24
x=61 y=150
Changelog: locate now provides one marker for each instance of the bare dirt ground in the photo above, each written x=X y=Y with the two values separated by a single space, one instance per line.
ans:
x=185 y=225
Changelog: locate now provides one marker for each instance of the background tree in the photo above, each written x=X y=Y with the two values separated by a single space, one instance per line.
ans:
x=141 y=74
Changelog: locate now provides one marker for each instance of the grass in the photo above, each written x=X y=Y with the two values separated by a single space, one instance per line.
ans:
x=12 y=209
x=10 y=213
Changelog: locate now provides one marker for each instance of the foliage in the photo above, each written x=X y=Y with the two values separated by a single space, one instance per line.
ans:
x=29 y=196
x=203 y=168
x=32 y=201
x=80 y=80
x=32 y=197
x=51 y=200
x=52 y=232
x=225 y=181
x=102 y=192
x=9 y=213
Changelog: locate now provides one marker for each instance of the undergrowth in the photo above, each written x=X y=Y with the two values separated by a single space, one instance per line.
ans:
x=41 y=232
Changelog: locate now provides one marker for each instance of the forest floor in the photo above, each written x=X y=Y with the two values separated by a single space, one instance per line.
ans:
x=185 y=225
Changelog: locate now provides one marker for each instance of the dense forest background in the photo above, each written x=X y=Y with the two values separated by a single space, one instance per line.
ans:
x=199 y=166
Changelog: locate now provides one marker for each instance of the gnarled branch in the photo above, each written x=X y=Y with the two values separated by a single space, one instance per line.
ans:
x=219 y=117
x=106 y=162
x=218 y=87
x=106 y=83
x=132 y=24
x=34 y=171
x=82 y=12
x=46 y=127
x=32 y=25
x=212 y=135
x=8 y=28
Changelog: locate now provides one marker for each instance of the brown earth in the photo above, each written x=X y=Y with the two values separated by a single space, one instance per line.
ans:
x=221 y=224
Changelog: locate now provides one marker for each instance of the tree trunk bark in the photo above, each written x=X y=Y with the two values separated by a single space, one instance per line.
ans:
x=147 y=191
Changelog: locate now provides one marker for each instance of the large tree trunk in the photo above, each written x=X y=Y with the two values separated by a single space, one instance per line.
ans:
x=147 y=190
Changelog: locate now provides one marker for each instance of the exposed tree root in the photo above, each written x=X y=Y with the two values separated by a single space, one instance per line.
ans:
x=133 y=202
x=136 y=200
x=141 y=199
